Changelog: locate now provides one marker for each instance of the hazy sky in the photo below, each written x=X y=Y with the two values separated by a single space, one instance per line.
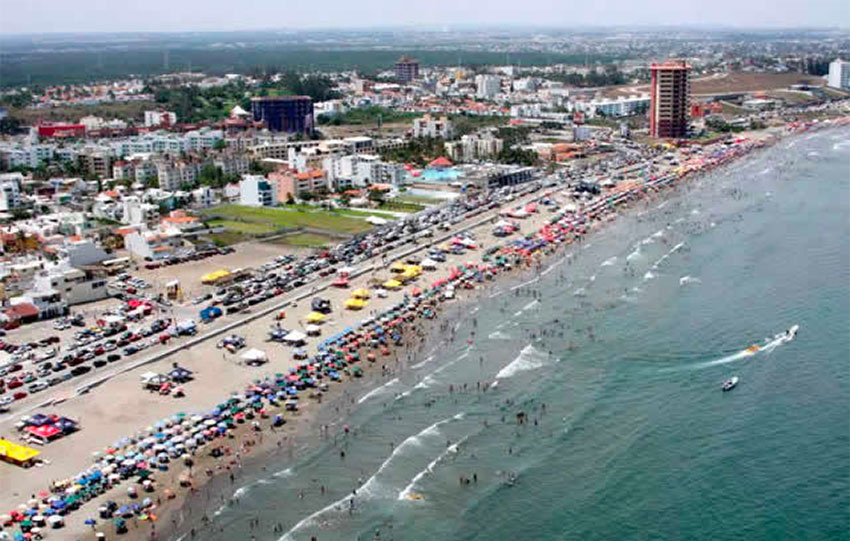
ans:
x=19 y=16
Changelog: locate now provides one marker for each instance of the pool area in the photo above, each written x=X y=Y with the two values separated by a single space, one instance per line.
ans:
x=433 y=174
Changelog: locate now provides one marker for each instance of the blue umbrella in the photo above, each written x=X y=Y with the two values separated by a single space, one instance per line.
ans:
x=90 y=522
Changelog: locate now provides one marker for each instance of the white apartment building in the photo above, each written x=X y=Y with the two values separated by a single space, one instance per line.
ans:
x=172 y=176
x=10 y=191
x=487 y=86
x=136 y=212
x=158 y=118
x=428 y=126
x=474 y=147
x=839 y=74
x=153 y=245
x=256 y=191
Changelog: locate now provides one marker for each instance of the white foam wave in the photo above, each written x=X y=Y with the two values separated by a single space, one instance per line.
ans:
x=429 y=469
x=530 y=305
x=377 y=390
x=764 y=171
x=498 y=335
x=528 y=359
x=685 y=280
x=580 y=292
x=658 y=234
x=425 y=361
x=370 y=483
x=648 y=276
x=634 y=255
x=609 y=262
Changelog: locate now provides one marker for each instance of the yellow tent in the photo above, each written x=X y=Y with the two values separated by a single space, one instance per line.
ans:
x=360 y=293
x=16 y=454
x=214 y=276
x=355 y=304
x=315 y=317
x=398 y=266
x=392 y=284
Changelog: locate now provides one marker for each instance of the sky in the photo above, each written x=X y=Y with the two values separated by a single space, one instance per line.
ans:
x=37 y=16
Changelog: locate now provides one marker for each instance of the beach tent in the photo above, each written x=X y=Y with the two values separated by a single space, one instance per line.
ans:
x=428 y=264
x=255 y=356
x=315 y=317
x=295 y=337
x=360 y=293
x=341 y=281
x=214 y=276
x=17 y=454
x=392 y=284
x=313 y=330
x=355 y=304
x=345 y=271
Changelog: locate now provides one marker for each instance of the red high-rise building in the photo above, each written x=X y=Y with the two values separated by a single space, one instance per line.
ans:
x=670 y=90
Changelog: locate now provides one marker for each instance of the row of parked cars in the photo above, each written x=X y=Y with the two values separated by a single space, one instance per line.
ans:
x=195 y=255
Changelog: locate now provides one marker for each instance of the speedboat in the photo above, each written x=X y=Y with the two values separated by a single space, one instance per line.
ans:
x=753 y=348
x=730 y=384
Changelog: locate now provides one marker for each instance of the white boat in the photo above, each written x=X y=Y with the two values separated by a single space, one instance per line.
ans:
x=730 y=384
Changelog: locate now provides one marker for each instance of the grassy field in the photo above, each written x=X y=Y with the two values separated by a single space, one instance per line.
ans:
x=305 y=239
x=122 y=110
x=276 y=218
x=401 y=206
x=248 y=228
x=419 y=199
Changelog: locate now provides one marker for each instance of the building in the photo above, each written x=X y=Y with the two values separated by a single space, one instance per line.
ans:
x=136 y=212
x=669 y=110
x=96 y=163
x=176 y=176
x=406 y=69
x=157 y=119
x=487 y=86
x=292 y=184
x=10 y=191
x=58 y=129
x=428 y=126
x=289 y=114
x=839 y=74
x=153 y=245
x=473 y=147
x=256 y=191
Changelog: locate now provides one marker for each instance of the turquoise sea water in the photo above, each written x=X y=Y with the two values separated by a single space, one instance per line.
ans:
x=626 y=343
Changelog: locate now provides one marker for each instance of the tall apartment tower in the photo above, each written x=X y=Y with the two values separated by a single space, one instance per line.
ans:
x=670 y=91
x=406 y=69
x=289 y=114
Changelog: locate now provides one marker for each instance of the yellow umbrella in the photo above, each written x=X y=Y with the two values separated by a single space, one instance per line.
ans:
x=315 y=317
x=360 y=293
x=398 y=266
x=354 y=304
x=392 y=284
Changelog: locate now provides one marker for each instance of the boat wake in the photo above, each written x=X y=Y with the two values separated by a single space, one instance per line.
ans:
x=686 y=280
x=528 y=359
x=767 y=347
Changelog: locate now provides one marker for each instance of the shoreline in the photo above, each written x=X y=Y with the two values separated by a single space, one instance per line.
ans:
x=302 y=440
x=507 y=283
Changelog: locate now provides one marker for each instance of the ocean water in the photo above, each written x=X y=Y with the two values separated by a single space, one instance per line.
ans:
x=616 y=355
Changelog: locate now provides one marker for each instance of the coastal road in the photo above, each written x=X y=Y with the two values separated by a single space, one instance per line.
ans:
x=78 y=387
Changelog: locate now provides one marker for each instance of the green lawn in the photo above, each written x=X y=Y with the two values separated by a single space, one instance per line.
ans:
x=419 y=199
x=248 y=228
x=276 y=218
x=305 y=239
x=401 y=206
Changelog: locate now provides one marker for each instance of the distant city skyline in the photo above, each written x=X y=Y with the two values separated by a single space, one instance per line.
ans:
x=80 y=16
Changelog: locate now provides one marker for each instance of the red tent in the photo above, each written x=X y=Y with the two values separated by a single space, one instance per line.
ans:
x=442 y=161
x=44 y=431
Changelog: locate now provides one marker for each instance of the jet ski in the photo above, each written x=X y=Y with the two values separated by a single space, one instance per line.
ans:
x=730 y=384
